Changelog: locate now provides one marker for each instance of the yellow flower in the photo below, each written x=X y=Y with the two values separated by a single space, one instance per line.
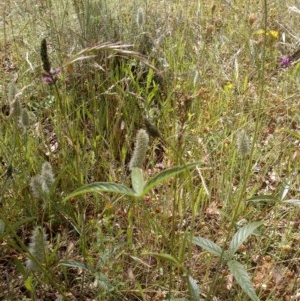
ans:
x=228 y=87
x=272 y=34
x=260 y=32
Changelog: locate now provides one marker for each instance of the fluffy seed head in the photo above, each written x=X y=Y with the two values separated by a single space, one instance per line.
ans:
x=12 y=91
x=36 y=183
x=37 y=248
x=40 y=185
x=140 y=18
x=140 y=150
x=243 y=143
x=47 y=175
x=24 y=118
x=15 y=108
x=46 y=167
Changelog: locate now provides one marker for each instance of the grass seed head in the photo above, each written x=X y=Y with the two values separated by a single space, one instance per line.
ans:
x=140 y=150
x=44 y=56
x=36 y=183
x=37 y=248
x=15 y=109
x=12 y=91
x=24 y=118
x=47 y=176
x=140 y=18
x=46 y=168
x=243 y=144
x=40 y=185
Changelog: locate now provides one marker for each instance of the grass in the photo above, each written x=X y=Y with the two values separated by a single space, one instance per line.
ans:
x=204 y=80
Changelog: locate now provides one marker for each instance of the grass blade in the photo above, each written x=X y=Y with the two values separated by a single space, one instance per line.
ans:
x=294 y=202
x=263 y=198
x=166 y=257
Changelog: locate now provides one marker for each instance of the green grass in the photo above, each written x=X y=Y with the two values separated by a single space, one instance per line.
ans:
x=206 y=77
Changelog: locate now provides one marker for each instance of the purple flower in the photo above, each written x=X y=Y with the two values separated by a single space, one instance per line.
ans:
x=55 y=71
x=285 y=62
x=50 y=77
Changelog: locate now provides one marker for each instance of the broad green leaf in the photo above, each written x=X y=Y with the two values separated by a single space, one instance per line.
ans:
x=99 y=187
x=166 y=174
x=242 y=278
x=284 y=190
x=241 y=235
x=137 y=180
x=193 y=288
x=208 y=245
x=76 y=264
x=166 y=257
x=103 y=282
x=292 y=202
x=263 y=198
